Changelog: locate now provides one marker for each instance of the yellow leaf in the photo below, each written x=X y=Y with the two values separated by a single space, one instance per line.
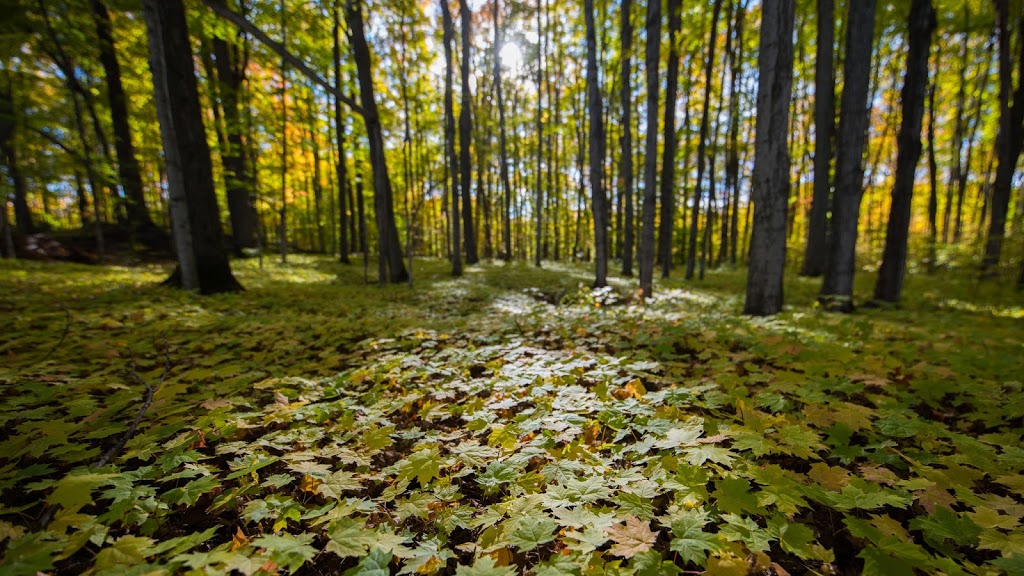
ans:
x=309 y=484
x=239 y=540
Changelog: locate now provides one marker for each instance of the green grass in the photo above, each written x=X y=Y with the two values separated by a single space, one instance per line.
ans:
x=511 y=421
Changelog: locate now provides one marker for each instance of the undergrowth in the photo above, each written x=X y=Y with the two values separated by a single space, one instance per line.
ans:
x=508 y=422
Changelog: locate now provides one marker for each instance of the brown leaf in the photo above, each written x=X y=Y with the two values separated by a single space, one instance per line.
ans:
x=239 y=540
x=632 y=538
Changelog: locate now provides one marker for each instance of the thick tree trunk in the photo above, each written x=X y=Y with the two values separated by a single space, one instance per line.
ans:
x=815 y=253
x=698 y=192
x=387 y=233
x=465 y=135
x=202 y=260
x=626 y=156
x=597 y=143
x=668 y=162
x=915 y=86
x=837 y=290
x=451 y=183
x=22 y=215
x=652 y=60
x=1009 y=138
x=127 y=164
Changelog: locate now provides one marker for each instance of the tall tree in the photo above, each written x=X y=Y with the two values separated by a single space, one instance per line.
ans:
x=698 y=191
x=538 y=203
x=339 y=134
x=8 y=124
x=668 y=163
x=237 y=172
x=652 y=58
x=824 y=118
x=502 y=138
x=626 y=156
x=770 y=183
x=1010 y=137
x=451 y=183
x=127 y=164
x=202 y=260
x=837 y=289
x=599 y=202
x=465 y=135
x=391 y=266
x=915 y=86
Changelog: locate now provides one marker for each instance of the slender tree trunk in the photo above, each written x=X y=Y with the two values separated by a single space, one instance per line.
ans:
x=1009 y=138
x=127 y=164
x=283 y=210
x=815 y=254
x=668 y=163
x=837 y=290
x=318 y=191
x=959 y=127
x=626 y=156
x=449 y=138
x=691 y=257
x=933 y=180
x=344 y=221
x=599 y=201
x=915 y=86
x=538 y=205
x=91 y=175
x=652 y=60
x=387 y=233
x=502 y=143
x=237 y=176
x=465 y=135
x=202 y=260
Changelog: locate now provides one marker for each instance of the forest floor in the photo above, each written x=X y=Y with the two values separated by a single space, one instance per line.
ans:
x=508 y=422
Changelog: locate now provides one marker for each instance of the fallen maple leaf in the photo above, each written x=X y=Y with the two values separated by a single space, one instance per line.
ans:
x=632 y=538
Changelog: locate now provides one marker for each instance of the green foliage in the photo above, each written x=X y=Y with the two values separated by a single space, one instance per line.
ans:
x=309 y=420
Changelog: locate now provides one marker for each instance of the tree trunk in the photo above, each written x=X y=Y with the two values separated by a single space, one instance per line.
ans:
x=626 y=156
x=465 y=136
x=449 y=140
x=1009 y=138
x=698 y=192
x=915 y=86
x=387 y=233
x=538 y=206
x=815 y=253
x=127 y=164
x=202 y=260
x=502 y=143
x=933 y=181
x=599 y=207
x=652 y=60
x=959 y=126
x=344 y=220
x=837 y=290
x=668 y=163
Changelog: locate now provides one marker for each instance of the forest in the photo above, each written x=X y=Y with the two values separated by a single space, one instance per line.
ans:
x=512 y=287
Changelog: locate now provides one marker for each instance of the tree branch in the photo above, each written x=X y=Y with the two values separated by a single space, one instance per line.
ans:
x=243 y=24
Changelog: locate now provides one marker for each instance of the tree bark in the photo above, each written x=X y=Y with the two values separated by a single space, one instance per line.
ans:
x=339 y=134
x=127 y=164
x=698 y=192
x=1009 y=138
x=626 y=156
x=465 y=136
x=652 y=60
x=387 y=233
x=502 y=140
x=202 y=260
x=597 y=143
x=915 y=86
x=538 y=205
x=815 y=253
x=451 y=183
x=837 y=289
x=668 y=162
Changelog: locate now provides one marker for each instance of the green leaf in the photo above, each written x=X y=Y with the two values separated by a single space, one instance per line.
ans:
x=125 y=551
x=532 y=532
x=349 y=537
x=30 y=554
x=190 y=493
x=691 y=541
x=288 y=551
x=334 y=485
x=484 y=566
x=733 y=495
x=945 y=524
x=375 y=564
x=423 y=466
x=74 y=491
